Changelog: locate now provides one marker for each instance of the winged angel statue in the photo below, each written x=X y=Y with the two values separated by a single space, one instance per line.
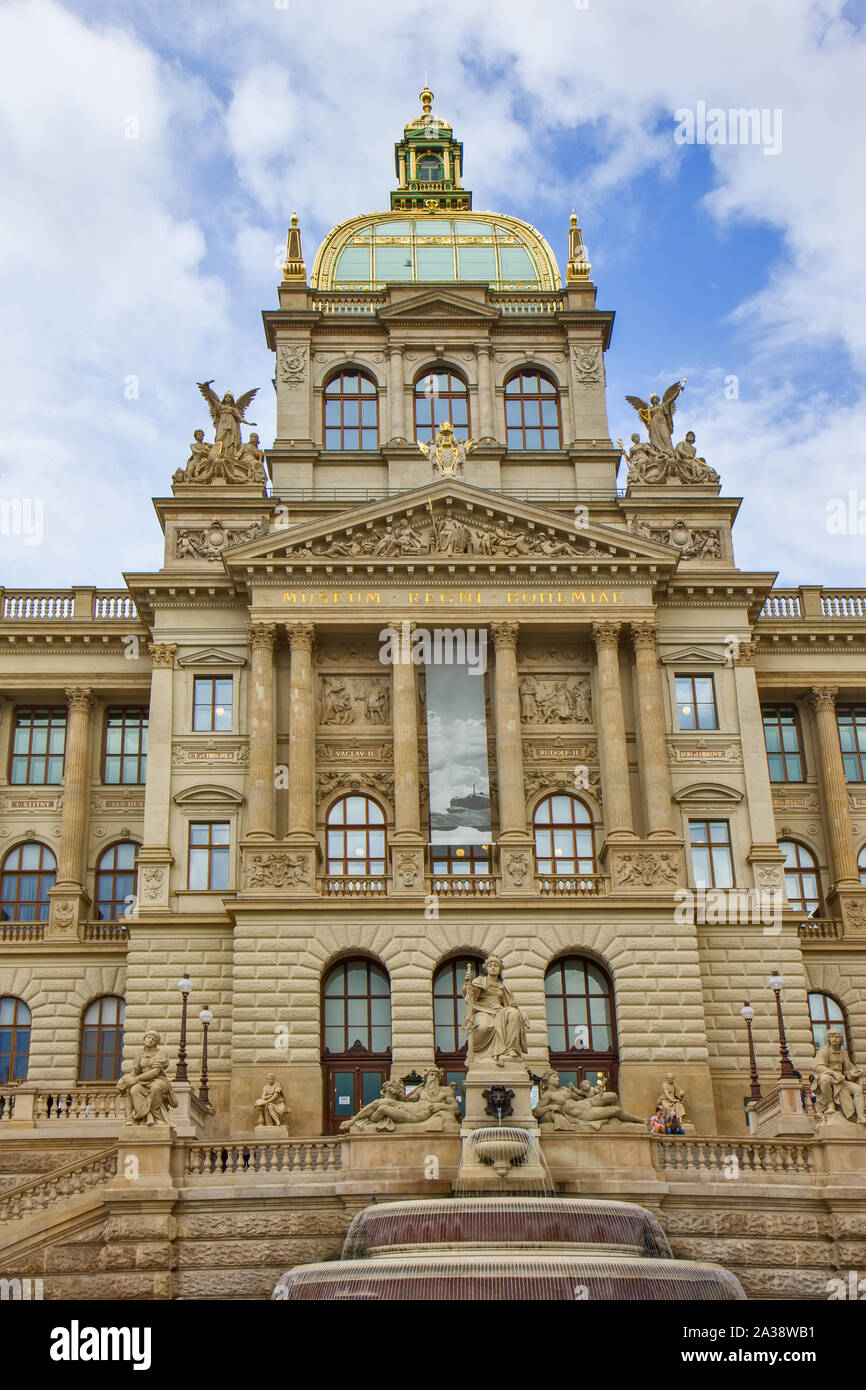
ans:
x=228 y=459
x=660 y=461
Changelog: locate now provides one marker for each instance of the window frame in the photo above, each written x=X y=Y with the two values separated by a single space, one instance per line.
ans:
x=574 y=827
x=709 y=845
x=212 y=704
x=342 y=397
x=861 y=863
x=57 y=715
x=209 y=846
x=692 y=677
x=143 y=725
x=365 y=827
x=778 y=712
x=522 y=397
x=426 y=433
x=856 y=716
x=114 y=874
x=15 y=1028
x=799 y=870
x=828 y=1023
x=99 y=1028
x=41 y=902
x=355 y=1048
x=582 y=1060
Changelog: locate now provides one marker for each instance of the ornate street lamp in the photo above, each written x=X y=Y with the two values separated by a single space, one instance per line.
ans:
x=184 y=984
x=776 y=982
x=748 y=1013
x=205 y=1018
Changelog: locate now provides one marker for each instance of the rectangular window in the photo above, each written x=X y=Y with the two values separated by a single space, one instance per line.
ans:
x=852 y=737
x=212 y=704
x=125 y=746
x=38 y=746
x=712 y=858
x=782 y=737
x=696 y=702
x=208 y=856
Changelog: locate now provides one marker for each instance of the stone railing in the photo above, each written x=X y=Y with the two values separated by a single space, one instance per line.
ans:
x=104 y=931
x=353 y=886
x=716 y=1155
x=811 y=601
x=233 y=1159
x=46 y=605
x=513 y=302
x=570 y=885
x=7 y=1103
x=22 y=931
x=352 y=304
x=78 y=1105
x=463 y=885
x=69 y=1181
x=820 y=929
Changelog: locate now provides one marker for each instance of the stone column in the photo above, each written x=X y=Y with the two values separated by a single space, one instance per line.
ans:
x=69 y=901
x=613 y=754
x=407 y=846
x=655 y=768
x=260 y=818
x=302 y=733
x=154 y=857
x=834 y=788
x=396 y=402
x=514 y=841
x=486 y=426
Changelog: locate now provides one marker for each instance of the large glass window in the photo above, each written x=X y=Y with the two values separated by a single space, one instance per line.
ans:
x=825 y=1013
x=464 y=861
x=15 y=1020
x=782 y=737
x=125 y=746
x=356 y=837
x=357 y=1008
x=581 y=1022
x=115 y=881
x=102 y=1039
x=439 y=396
x=564 y=838
x=852 y=736
x=696 y=702
x=429 y=169
x=712 y=856
x=802 y=879
x=212 y=704
x=532 y=412
x=351 y=406
x=28 y=872
x=209 y=855
x=38 y=746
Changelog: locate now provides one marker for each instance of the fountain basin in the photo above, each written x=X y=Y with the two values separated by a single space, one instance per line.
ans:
x=530 y=1278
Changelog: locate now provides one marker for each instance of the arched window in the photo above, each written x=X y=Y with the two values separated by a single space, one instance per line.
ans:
x=102 y=1039
x=15 y=1019
x=449 y=1007
x=825 y=1013
x=564 y=837
x=802 y=879
x=356 y=1036
x=440 y=395
x=351 y=406
x=861 y=864
x=29 y=871
x=429 y=169
x=356 y=837
x=532 y=412
x=115 y=880
x=581 y=1022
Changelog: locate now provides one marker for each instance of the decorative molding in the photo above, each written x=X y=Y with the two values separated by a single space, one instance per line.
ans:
x=213 y=751
x=211 y=542
x=211 y=656
x=644 y=868
x=708 y=791
x=205 y=795
x=588 y=365
x=343 y=779
x=292 y=363
x=354 y=700
x=162 y=654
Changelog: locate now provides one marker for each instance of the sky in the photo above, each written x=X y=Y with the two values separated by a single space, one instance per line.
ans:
x=152 y=154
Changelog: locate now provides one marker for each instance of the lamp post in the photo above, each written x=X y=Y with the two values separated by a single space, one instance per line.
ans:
x=748 y=1013
x=776 y=982
x=184 y=984
x=205 y=1018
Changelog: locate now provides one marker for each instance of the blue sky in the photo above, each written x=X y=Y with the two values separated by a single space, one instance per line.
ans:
x=151 y=258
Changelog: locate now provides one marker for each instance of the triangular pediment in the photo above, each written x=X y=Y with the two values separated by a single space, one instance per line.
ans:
x=455 y=523
x=692 y=656
x=211 y=656
x=437 y=303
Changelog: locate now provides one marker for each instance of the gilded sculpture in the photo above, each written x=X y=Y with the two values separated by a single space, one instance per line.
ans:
x=447 y=453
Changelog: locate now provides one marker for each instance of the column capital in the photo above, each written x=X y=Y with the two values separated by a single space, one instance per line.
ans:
x=394 y=350
x=301 y=636
x=79 y=697
x=483 y=349
x=606 y=634
x=505 y=636
x=263 y=636
x=823 y=697
x=162 y=654
x=644 y=633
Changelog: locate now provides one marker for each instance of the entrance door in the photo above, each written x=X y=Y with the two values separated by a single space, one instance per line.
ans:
x=350 y=1088
x=356 y=1037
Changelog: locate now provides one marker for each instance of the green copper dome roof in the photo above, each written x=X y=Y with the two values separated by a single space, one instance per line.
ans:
x=386 y=247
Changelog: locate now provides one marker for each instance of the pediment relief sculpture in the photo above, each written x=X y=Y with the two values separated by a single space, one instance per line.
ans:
x=228 y=460
x=452 y=531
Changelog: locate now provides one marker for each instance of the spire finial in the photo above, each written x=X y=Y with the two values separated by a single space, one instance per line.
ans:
x=426 y=98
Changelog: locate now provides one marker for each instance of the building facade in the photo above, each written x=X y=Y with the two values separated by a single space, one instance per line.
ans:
x=220 y=771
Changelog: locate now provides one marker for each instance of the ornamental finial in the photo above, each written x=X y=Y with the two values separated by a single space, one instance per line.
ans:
x=426 y=99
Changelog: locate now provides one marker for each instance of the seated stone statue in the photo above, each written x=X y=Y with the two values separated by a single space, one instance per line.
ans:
x=688 y=467
x=493 y=1022
x=838 y=1085
x=271 y=1108
x=250 y=466
x=146 y=1088
x=645 y=465
x=431 y=1106
x=672 y=1100
x=584 y=1107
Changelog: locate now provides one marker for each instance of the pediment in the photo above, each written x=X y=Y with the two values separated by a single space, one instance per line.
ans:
x=456 y=523
x=207 y=794
x=436 y=303
x=692 y=656
x=708 y=791
x=211 y=656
